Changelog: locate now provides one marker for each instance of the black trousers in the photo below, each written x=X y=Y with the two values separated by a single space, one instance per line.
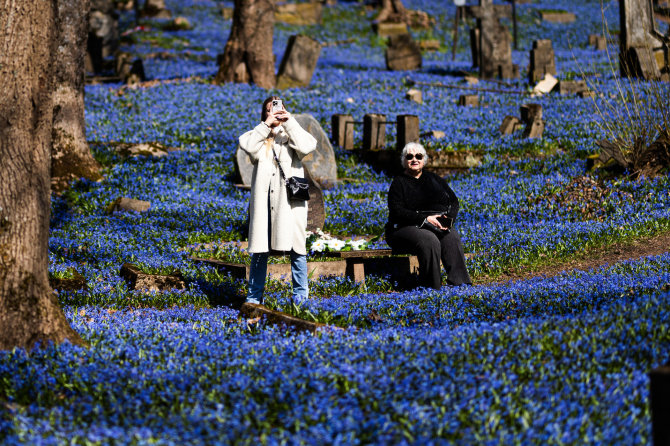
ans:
x=430 y=249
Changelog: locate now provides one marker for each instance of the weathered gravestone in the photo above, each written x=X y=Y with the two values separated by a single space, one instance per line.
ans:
x=374 y=131
x=156 y=9
x=637 y=42
x=510 y=125
x=297 y=65
x=542 y=60
x=403 y=54
x=598 y=42
x=342 y=126
x=494 y=48
x=531 y=115
x=128 y=205
x=390 y=29
x=300 y=14
x=414 y=95
x=130 y=70
x=139 y=280
x=558 y=16
x=321 y=164
x=408 y=130
x=103 y=35
x=469 y=100
x=316 y=207
x=571 y=87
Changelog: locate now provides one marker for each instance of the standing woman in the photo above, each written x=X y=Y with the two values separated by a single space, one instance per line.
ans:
x=422 y=208
x=275 y=223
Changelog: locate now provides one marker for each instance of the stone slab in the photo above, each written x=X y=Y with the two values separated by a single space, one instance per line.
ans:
x=403 y=54
x=468 y=100
x=510 y=125
x=407 y=130
x=298 y=63
x=558 y=16
x=342 y=126
x=321 y=163
x=138 y=280
x=128 y=204
x=75 y=283
x=387 y=29
x=300 y=14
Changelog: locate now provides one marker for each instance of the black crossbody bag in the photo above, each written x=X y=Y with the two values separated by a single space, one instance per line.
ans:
x=297 y=188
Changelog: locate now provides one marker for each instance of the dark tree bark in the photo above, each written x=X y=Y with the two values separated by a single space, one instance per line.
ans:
x=29 y=311
x=71 y=156
x=248 y=57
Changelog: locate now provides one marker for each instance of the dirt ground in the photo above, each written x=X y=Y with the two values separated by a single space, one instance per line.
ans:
x=630 y=250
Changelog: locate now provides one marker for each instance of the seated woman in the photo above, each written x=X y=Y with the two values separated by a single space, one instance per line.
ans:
x=421 y=209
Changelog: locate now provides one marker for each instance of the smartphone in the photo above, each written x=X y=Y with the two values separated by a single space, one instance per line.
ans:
x=277 y=105
x=445 y=221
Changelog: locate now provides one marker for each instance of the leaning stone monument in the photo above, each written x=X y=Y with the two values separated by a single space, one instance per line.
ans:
x=638 y=40
x=542 y=60
x=493 y=53
x=299 y=61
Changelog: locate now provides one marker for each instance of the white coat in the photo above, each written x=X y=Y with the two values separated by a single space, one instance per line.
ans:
x=288 y=219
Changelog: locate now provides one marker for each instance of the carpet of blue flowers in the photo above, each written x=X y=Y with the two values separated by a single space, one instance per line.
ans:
x=548 y=360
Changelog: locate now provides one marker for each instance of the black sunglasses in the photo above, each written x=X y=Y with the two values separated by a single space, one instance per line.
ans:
x=418 y=156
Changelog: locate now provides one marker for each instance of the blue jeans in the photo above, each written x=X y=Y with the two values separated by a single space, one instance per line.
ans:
x=258 y=273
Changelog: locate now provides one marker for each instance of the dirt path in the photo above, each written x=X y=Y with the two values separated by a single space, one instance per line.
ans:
x=630 y=250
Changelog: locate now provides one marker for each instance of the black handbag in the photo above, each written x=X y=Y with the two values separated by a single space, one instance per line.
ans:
x=297 y=188
x=446 y=219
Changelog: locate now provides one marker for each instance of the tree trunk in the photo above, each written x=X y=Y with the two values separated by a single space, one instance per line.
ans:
x=248 y=56
x=29 y=311
x=392 y=11
x=71 y=156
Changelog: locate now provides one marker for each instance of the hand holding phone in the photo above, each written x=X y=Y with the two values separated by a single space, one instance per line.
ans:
x=277 y=105
x=445 y=221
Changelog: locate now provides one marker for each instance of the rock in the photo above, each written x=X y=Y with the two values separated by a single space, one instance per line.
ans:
x=471 y=100
x=178 y=24
x=435 y=134
x=299 y=61
x=75 y=283
x=138 y=280
x=300 y=14
x=127 y=205
x=153 y=149
x=403 y=54
x=414 y=95
x=321 y=163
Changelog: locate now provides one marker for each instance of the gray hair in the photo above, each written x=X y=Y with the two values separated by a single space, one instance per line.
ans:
x=418 y=148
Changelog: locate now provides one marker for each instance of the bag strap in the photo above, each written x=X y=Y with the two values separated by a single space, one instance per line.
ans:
x=281 y=171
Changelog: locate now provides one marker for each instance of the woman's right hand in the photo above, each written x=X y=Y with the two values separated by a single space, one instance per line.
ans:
x=432 y=219
x=271 y=119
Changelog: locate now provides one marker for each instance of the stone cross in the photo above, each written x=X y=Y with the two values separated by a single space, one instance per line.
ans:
x=495 y=49
x=637 y=40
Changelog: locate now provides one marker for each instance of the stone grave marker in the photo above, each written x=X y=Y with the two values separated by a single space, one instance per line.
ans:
x=531 y=115
x=558 y=16
x=494 y=49
x=414 y=95
x=342 y=126
x=316 y=207
x=321 y=164
x=301 y=14
x=374 y=131
x=128 y=204
x=299 y=61
x=545 y=85
x=408 y=130
x=471 y=100
x=637 y=43
x=390 y=29
x=138 y=280
x=542 y=60
x=130 y=70
x=156 y=9
x=403 y=54
x=600 y=43
x=571 y=87
x=103 y=35
x=510 y=125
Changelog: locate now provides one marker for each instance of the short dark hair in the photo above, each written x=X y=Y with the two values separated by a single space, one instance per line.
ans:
x=264 y=112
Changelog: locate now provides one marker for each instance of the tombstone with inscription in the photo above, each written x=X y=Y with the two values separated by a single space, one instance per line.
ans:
x=494 y=55
x=638 y=40
x=299 y=61
x=321 y=163
x=403 y=54
x=542 y=60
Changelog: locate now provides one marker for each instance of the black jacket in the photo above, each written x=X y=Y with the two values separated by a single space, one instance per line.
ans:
x=407 y=196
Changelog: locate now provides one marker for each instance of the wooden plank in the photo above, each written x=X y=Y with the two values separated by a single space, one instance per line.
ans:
x=277 y=317
x=363 y=253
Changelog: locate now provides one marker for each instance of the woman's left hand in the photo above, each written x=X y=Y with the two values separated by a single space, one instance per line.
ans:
x=432 y=219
